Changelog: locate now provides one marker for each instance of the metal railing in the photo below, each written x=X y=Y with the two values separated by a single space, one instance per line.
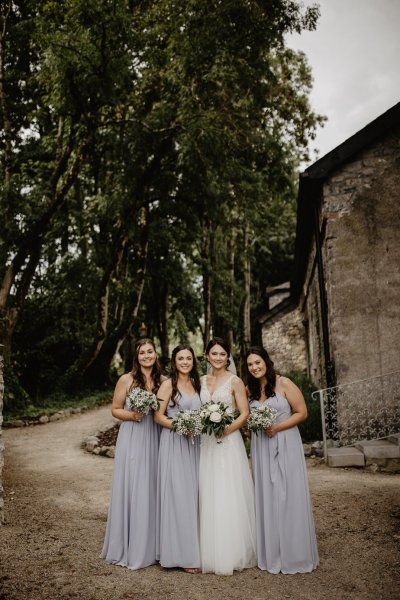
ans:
x=361 y=410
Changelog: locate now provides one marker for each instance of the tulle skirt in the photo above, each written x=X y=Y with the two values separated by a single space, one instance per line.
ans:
x=226 y=505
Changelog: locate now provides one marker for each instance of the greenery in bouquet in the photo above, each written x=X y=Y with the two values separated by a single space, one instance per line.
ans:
x=187 y=422
x=141 y=400
x=261 y=417
x=216 y=416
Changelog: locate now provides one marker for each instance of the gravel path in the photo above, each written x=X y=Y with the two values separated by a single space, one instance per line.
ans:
x=56 y=505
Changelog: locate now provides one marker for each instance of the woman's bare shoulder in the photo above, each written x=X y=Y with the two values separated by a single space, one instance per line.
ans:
x=126 y=378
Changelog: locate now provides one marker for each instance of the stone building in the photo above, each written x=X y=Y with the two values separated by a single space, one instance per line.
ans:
x=345 y=294
x=283 y=331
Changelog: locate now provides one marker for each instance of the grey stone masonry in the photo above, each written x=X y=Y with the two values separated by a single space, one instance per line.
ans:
x=394 y=439
x=361 y=255
x=376 y=455
x=378 y=449
x=283 y=338
x=345 y=457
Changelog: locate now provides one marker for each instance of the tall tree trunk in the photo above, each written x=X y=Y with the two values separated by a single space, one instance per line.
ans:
x=98 y=371
x=231 y=267
x=206 y=251
x=102 y=305
x=163 y=295
x=247 y=284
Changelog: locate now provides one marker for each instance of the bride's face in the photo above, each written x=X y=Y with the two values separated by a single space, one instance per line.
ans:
x=217 y=357
x=256 y=365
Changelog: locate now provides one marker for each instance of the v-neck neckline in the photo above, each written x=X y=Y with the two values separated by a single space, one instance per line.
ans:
x=211 y=394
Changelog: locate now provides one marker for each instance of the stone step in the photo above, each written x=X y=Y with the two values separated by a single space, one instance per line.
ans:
x=394 y=439
x=345 y=457
x=376 y=449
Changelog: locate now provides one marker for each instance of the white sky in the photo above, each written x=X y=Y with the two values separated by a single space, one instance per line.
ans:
x=355 y=59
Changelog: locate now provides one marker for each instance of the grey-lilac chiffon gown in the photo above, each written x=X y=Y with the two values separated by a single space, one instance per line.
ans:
x=130 y=539
x=178 y=475
x=286 y=541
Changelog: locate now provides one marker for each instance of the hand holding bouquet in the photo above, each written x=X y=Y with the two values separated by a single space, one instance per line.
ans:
x=216 y=416
x=261 y=417
x=140 y=400
x=187 y=422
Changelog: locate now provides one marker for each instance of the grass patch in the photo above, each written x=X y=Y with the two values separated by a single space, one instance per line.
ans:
x=56 y=402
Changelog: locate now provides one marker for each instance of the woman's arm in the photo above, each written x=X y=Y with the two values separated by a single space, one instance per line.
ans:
x=242 y=404
x=118 y=402
x=164 y=396
x=297 y=403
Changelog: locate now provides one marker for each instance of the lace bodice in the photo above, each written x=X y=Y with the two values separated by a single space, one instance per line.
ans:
x=223 y=393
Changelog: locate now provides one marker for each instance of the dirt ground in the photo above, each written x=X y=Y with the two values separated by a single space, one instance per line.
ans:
x=56 y=505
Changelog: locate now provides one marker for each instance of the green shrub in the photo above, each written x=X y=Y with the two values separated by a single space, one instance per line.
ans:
x=56 y=402
x=311 y=429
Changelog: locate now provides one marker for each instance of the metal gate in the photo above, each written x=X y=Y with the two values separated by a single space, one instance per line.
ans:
x=361 y=410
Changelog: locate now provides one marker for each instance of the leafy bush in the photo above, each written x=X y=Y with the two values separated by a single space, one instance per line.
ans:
x=311 y=429
x=55 y=402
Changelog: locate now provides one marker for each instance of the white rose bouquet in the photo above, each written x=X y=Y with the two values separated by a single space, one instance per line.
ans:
x=140 y=400
x=261 y=417
x=216 y=416
x=187 y=422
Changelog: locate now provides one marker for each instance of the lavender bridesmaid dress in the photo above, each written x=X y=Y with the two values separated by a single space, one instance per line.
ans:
x=130 y=539
x=286 y=541
x=177 y=510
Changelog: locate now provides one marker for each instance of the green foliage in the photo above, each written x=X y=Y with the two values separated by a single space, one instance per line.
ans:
x=15 y=396
x=56 y=402
x=154 y=152
x=311 y=429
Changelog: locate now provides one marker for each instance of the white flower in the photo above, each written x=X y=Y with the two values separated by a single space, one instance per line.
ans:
x=213 y=408
x=215 y=417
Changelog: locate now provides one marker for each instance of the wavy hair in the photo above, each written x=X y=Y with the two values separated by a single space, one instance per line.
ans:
x=254 y=384
x=194 y=374
x=136 y=372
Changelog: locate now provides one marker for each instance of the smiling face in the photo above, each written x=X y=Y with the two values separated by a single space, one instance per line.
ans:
x=257 y=366
x=217 y=357
x=184 y=362
x=146 y=355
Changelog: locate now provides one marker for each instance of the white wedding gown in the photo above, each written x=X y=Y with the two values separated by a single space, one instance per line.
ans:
x=226 y=497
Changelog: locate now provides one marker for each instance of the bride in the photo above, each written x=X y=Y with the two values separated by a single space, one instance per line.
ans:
x=226 y=491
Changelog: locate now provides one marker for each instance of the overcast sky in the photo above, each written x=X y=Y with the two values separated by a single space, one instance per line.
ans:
x=355 y=59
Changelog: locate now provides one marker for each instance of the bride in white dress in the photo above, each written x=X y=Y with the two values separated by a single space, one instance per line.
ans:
x=226 y=490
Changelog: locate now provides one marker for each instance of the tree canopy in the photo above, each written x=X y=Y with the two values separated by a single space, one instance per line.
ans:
x=149 y=153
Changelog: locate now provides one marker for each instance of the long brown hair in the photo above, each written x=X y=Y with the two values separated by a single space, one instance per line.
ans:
x=136 y=372
x=194 y=374
x=254 y=384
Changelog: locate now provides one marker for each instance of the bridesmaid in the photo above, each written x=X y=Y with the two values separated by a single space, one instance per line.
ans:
x=286 y=541
x=130 y=539
x=178 y=466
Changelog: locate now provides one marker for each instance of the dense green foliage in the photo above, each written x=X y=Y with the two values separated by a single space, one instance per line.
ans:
x=148 y=160
x=311 y=429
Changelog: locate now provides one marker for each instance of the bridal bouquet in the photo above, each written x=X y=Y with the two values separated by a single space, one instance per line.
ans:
x=261 y=417
x=187 y=422
x=216 y=416
x=141 y=400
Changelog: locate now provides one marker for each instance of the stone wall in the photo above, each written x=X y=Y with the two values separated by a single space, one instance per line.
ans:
x=361 y=254
x=283 y=338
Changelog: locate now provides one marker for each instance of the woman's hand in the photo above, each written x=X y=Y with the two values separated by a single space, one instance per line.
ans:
x=271 y=431
x=137 y=416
